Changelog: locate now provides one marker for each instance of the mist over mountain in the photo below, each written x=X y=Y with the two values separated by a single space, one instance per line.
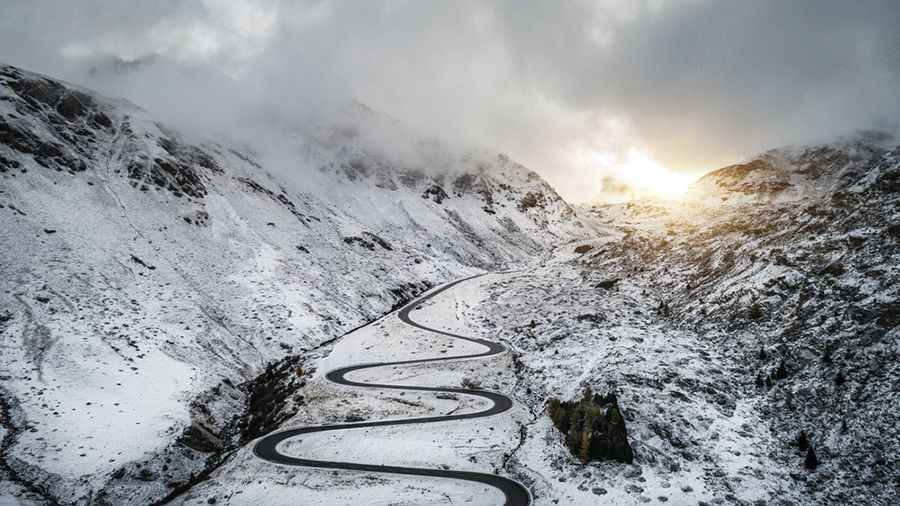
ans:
x=518 y=253
x=120 y=230
x=569 y=90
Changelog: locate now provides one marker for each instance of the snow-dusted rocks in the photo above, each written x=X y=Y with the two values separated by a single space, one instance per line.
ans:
x=143 y=267
x=800 y=286
x=165 y=298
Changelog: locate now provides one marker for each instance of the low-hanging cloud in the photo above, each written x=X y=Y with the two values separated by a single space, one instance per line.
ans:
x=569 y=88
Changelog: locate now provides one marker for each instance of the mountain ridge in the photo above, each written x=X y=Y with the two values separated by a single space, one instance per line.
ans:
x=133 y=251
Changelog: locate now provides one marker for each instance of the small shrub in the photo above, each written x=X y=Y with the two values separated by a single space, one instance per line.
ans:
x=755 y=311
x=781 y=372
x=664 y=310
x=584 y=248
x=470 y=383
x=839 y=378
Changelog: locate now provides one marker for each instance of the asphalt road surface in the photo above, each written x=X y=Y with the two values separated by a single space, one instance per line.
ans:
x=516 y=494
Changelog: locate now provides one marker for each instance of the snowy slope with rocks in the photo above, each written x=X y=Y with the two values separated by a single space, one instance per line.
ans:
x=789 y=264
x=168 y=298
x=156 y=285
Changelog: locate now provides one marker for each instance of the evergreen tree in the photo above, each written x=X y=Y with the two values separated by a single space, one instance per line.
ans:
x=584 y=452
x=593 y=427
x=573 y=440
x=618 y=435
x=664 y=309
x=554 y=409
x=755 y=311
x=781 y=372
x=802 y=441
x=811 y=462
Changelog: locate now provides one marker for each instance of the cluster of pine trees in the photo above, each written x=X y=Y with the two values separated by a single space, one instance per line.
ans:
x=593 y=426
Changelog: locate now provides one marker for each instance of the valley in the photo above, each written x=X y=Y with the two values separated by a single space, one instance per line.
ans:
x=191 y=320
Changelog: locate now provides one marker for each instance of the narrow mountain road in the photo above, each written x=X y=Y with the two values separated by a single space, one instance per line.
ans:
x=516 y=494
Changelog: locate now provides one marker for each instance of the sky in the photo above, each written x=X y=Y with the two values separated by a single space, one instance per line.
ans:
x=645 y=94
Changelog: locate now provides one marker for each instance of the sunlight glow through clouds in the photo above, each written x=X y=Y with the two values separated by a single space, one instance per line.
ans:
x=643 y=175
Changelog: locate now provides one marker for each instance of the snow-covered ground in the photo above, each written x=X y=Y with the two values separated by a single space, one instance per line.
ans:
x=150 y=277
x=691 y=425
x=165 y=298
x=476 y=445
x=695 y=435
x=788 y=265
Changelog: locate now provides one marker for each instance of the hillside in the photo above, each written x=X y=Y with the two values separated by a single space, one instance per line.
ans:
x=789 y=264
x=168 y=298
x=154 y=282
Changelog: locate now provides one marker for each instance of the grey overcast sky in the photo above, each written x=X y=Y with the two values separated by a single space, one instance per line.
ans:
x=644 y=91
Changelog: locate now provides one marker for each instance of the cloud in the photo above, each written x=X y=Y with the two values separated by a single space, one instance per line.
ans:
x=690 y=85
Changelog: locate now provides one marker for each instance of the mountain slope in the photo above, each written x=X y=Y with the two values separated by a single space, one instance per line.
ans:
x=789 y=263
x=151 y=279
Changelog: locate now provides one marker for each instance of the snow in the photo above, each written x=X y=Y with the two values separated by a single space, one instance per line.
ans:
x=477 y=445
x=646 y=363
x=131 y=302
x=135 y=313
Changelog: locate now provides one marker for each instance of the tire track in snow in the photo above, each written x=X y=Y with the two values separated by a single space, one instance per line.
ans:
x=516 y=494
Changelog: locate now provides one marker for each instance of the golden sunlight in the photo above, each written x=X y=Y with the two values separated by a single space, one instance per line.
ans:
x=645 y=177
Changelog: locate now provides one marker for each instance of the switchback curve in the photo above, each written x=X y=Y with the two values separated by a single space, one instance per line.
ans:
x=516 y=494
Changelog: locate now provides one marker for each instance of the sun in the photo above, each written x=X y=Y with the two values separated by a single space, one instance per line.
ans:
x=646 y=177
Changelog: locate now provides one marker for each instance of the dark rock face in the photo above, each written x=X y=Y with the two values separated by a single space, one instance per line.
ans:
x=759 y=176
x=7 y=164
x=593 y=426
x=584 y=248
x=172 y=175
x=378 y=240
x=435 y=193
x=46 y=153
x=73 y=119
x=474 y=183
x=608 y=284
x=179 y=170
x=267 y=396
x=280 y=198
x=532 y=200
x=198 y=438
x=70 y=130
x=368 y=241
x=411 y=178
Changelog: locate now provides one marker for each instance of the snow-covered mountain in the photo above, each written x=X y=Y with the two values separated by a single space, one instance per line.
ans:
x=799 y=172
x=165 y=298
x=153 y=281
x=790 y=264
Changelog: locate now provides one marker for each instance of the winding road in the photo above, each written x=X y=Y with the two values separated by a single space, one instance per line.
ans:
x=516 y=494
